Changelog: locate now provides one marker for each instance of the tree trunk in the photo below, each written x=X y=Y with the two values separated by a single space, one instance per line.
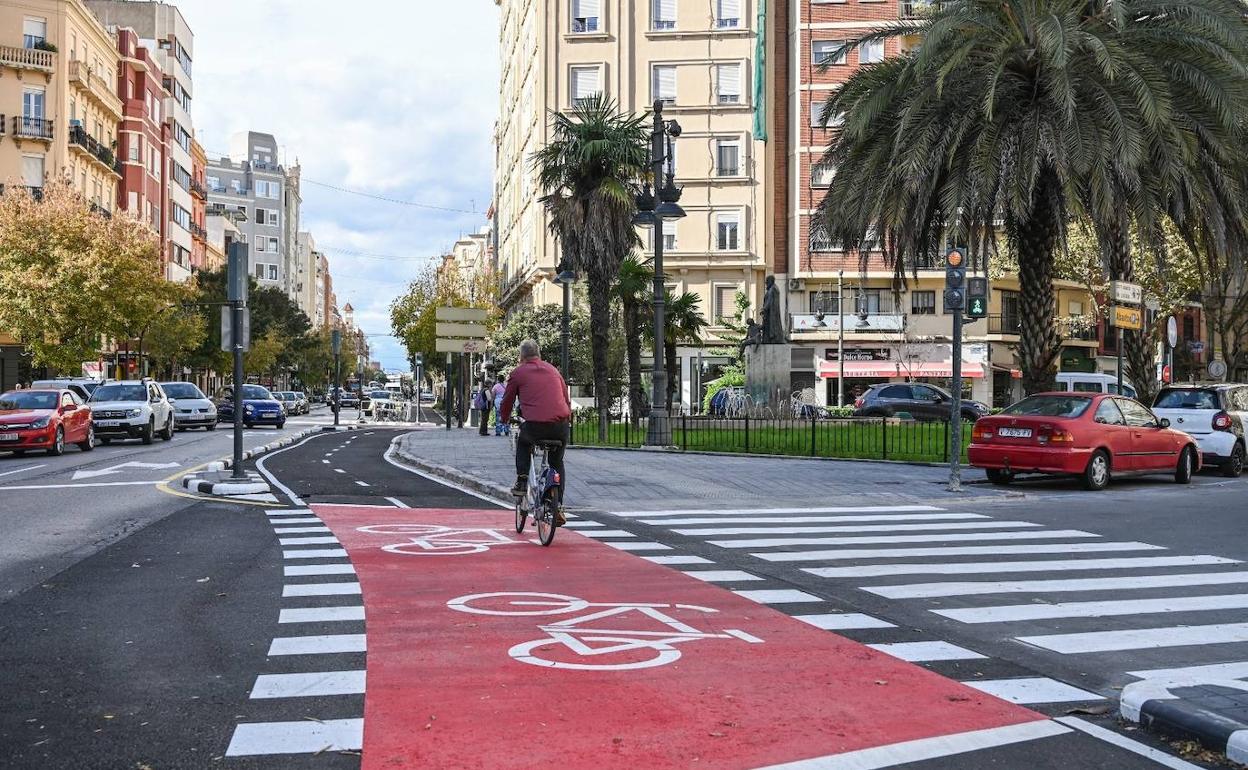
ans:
x=1138 y=347
x=632 y=343
x=599 y=329
x=1039 y=345
x=669 y=361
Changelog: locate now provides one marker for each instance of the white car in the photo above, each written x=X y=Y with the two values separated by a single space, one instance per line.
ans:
x=131 y=409
x=378 y=400
x=1214 y=415
x=1091 y=382
x=191 y=408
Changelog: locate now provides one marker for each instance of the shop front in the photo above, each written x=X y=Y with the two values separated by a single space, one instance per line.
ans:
x=932 y=363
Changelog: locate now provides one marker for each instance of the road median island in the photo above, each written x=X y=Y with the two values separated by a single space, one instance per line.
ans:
x=486 y=650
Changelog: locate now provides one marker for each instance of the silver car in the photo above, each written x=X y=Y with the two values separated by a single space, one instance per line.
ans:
x=191 y=408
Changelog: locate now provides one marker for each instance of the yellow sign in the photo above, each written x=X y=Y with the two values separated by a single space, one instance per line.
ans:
x=1126 y=318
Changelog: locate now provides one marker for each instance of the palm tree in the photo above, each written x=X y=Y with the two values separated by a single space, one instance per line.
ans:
x=632 y=286
x=588 y=173
x=1022 y=112
x=685 y=324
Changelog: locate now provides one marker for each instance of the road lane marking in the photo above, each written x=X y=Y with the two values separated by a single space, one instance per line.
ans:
x=970 y=568
x=1109 y=736
x=388 y=457
x=84 y=485
x=363 y=483
x=316 y=553
x=1140 y=638
x=899 y=517
x=1012 y=613
x=1238 y=670
x=608 y=533
x=583 y=523
x=864 y=528
x=766 y=511
x=397 y=502
x=306 y=737
x=722 y=575
x=289 y=512
x=778 y=596
x=320 y=614
x=320 y=540
x=933 y=590
x=320 y=589
x=1032 y=690
x=317 y=645
x=325 y=461
x=928 y=748
x=298 y=570
x=972 y=550
x=339 y=470
x=790 y=541
x=843 y=621
x=308 y=685
x=680 y=559
x=296 y=520
x=23 y=470
x=296 y=530
x=633 y=545
x=927 y=652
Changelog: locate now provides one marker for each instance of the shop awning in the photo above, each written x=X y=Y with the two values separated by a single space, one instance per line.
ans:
x=890 y=369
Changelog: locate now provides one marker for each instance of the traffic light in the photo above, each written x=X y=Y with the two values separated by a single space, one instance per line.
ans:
x=955 y=279
x=977 y=297
x=955 y=300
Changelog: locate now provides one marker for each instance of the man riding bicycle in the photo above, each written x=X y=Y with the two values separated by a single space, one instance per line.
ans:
x=544 y=403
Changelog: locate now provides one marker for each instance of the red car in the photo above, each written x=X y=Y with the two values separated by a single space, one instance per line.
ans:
x=1090 y=435
x=44 y=419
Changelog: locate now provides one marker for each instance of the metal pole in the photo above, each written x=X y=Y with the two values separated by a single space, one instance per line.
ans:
x=449 y=398
x=1120 y=360
x=337 y=403
x=955 y=415
x=236 y=342
x=565 y=330
x=840 y=338
x=658 y=432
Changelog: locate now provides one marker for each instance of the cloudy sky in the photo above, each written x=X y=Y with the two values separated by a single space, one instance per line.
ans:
x=395 y=98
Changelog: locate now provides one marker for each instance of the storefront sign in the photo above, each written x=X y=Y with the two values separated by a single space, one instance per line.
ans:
x=861 y=354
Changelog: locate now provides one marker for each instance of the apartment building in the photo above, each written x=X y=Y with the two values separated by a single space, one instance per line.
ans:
x=199 y=206
x=309 y=285
x=252 y=183
x=143 y=136
x=330 y=312
x=163 y=31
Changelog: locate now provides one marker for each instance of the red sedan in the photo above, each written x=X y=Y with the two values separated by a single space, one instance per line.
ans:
x=1090 y=435
x=44 y=419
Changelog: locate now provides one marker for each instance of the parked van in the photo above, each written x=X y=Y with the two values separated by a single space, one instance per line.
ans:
x=1089 y=382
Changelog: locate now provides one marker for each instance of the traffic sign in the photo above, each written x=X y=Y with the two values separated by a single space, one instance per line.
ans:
x=227 y=340
x=1126 y=293
x=1172 y=332
x=1126 y=317
x=335 y=341
x=460 y=346
x=1217 y=369
x=474 y=331
x=471 y=314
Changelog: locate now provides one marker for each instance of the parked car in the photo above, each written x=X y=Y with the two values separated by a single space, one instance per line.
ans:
x=919 y=400
x=1090 y=435
x=1214 y=415
x=44 y=418
x=131 y=409
x=288 y=399
x=305 y=405
x=1092 y=382
x=82 y=386
x=191 y=408
x=259 y=407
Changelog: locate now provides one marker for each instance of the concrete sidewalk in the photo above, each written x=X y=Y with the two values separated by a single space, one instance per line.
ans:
x=623 y=480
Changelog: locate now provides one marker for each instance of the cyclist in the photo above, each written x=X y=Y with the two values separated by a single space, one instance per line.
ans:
x=544 y=401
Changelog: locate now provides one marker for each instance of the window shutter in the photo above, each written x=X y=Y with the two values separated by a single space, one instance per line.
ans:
x=584 y=82
x=35 y=27
x=730 y=9
x=665 y=10
x=665 y=82
x=586 y=9
x=729 y=79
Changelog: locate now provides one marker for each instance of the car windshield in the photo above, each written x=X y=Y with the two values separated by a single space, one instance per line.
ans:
x=379 y=394
x=29 y=399
x=119 y=392
x=1186 y=398
x=1049 y=406
x=256 y=392
x=181 y=390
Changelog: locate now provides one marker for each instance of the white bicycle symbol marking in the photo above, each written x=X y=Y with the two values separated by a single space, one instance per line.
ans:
x=436 y=540
x=575 y=633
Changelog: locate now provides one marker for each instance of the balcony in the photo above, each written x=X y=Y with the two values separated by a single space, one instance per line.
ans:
x=198 y=232
x=32 y=128
x=925 y=262
x=917 y=9
x=35 y=192
x=80 y=140
x=98 y=88
x=875 y=323
x=1005 y=324
x=1078 y=329
x=198 y=190
x=27 y=59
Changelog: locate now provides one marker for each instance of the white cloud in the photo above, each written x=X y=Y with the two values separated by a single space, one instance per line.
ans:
x=393 y=97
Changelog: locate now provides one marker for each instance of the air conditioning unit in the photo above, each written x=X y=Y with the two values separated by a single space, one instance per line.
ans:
x=75 y=123
x=796 y=284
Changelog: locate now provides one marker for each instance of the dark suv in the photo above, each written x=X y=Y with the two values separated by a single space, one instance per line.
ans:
x=919 y=400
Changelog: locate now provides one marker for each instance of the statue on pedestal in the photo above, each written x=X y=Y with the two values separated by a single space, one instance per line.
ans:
x=753 y=336
x=773 y=322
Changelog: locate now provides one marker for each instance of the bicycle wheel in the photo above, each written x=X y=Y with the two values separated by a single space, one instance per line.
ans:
x=520 y=516
x=545 y=520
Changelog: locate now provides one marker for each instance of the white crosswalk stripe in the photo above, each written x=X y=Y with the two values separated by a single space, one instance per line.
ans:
x=984 y=567
x=777 y=542
x=969 y=550
x=863 y=528
x=723 y=520
x=1015 y=612
x=929 y=590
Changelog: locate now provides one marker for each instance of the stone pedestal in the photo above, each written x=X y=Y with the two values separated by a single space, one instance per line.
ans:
x=767 y=379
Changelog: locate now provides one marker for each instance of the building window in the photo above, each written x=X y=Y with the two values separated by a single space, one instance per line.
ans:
x=136 y=148
x=817 y=116
x=663 y=14
x=669 y=237
x=585 y=83
x=261 y=217
x=32 y=106
x=32 y=170
x=237 y=186
x=214 y=184
x=181 y=216
x=727 y=231
x=821 y=52
x=728 y=14
x=725 y=309
x=260 y=246
x=585 y=15
x=1189 y=328
x=271 y=190
x=273 y=245
x=181 y=176
x=728 y=157
x=272 y=272
x=821 y=240
x=871 y=52
x=34 y=31
x=663 y=84
x=728 y=83
x=821 y=174
x=923 y=302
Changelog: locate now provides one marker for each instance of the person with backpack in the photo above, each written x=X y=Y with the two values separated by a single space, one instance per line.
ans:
x=483 y=402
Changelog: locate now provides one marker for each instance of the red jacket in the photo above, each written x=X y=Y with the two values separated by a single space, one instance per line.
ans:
x=542 y=392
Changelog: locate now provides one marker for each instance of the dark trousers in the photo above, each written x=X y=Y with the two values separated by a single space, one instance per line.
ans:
x=485 y=419
x=532 y=432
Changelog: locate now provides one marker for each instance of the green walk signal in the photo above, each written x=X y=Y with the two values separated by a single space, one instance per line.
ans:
x=977 y=297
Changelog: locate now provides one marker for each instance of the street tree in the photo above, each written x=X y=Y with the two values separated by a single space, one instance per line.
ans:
x=632 y=286
x=1025 y=111
x=413 y=313
x=588 y=173
x=544 y=324
x=684 y=326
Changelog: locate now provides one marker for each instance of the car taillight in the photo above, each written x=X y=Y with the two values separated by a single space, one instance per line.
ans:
x=1221 y=421
x=983 y=434
x=1055 y=436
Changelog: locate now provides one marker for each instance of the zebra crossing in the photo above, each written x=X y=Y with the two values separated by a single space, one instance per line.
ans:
x=1114 y=610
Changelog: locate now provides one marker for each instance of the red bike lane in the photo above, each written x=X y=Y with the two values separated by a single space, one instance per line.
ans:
x=486 y=650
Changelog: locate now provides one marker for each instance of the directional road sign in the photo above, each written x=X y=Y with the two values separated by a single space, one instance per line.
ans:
x=1126 y=293
x=474 y=331
x=1126 y=317
x=460 y=346
x=472 y=314
x=227 y=341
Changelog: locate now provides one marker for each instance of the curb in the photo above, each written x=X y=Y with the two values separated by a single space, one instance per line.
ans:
x=1152 y=704
x=224 y=488
x=475 y=483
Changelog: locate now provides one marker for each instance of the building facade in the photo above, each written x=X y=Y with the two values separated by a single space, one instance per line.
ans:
x=143 y=136
x=309 y=288
x=199 y=205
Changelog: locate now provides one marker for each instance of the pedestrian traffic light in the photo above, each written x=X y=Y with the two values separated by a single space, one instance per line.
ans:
x=977 y=297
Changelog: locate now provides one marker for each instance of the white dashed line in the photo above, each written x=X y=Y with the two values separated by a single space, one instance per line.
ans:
x=321 y=589
x=304 y=737
x=317 y=645
x=363 y=484
x=320 y=614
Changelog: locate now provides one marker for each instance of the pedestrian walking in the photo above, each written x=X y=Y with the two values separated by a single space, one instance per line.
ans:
x=483 y=402
x=500 y=428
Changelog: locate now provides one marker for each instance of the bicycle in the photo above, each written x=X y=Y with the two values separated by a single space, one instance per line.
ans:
x=541 y=500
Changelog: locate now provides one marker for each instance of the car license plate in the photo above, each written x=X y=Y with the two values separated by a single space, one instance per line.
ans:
x=270 y=414
x=107 y=423
x=9 y=437
x=1015 y=432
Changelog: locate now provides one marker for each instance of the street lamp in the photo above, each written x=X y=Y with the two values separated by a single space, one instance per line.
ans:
x=653 y=209
x=565 y=279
